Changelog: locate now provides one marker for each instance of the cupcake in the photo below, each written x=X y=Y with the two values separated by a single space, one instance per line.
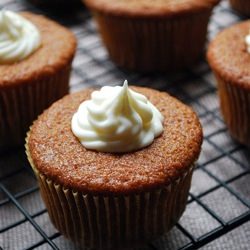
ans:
x=155 y=35
x=35 y=62
x=229 y=58
x=115 y=165
x=242 y=6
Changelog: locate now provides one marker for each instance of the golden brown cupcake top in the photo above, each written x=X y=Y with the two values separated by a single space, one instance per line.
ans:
x=58 y=46
x=59 y=155
x=228 y=56
x=155 y=8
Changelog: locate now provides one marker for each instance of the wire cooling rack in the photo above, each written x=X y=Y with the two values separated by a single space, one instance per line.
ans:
x=218 y=210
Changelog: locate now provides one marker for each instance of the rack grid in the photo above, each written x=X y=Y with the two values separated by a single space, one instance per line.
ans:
x=219 y=199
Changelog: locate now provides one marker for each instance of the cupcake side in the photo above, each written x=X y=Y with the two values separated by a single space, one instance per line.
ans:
x=229 y=58
x=29 y=85
x=153 y=36
x=109 y=200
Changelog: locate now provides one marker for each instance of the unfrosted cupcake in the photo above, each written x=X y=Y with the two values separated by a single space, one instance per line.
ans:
x=229 y=58
x=35 y=62
x=114 y=166
x=158 y=35
x=242 y=6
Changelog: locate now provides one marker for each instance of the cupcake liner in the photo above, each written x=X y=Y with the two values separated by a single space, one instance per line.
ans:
x=235 y=107
x=154 y=44
x=242 y=6
x=113 y=221
x=21 y=104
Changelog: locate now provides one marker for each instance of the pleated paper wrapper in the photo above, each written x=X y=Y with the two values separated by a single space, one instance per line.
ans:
x=21 y=104
x=235 y=108
x=113 y=221
x=154 y=44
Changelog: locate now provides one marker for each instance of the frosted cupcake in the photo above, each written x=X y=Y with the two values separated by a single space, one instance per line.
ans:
x=35 y=62
x=229 y=58
x=115 y=165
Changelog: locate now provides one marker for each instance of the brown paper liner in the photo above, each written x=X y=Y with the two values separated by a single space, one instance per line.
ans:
x=235 y=107
x=242 y=6
x=154 y=44
x=21 y=104
x=113 y=221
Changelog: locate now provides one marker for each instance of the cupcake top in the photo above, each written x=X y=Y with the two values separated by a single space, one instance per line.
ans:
x=19 y=38
x=150 y=8
x=229 y=56
x=36 y=55
x=59 y=155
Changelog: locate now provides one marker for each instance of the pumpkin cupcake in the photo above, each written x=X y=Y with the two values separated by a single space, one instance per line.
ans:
x=229 y=58
x=35 y=62
x=158 y=35
x=114 y=166
x=242 y=6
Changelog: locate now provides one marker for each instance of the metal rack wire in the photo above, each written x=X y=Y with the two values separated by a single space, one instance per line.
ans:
x=219 y=200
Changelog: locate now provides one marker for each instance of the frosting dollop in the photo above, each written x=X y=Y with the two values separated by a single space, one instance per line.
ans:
x=116 y=119
x=19 y=38
x=248 y=42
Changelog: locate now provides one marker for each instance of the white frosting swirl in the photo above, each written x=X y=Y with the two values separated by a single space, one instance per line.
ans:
x=18 y=37
x=248 y=42
x=117 y=119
